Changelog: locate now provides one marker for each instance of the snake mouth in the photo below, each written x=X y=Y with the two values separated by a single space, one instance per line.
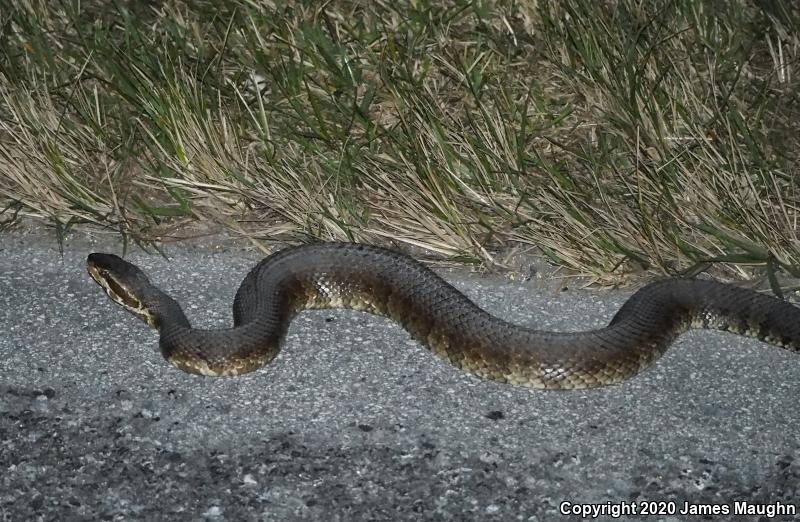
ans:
x=120 y=293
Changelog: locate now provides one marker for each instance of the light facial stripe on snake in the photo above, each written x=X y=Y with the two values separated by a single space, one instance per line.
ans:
x=119 y=294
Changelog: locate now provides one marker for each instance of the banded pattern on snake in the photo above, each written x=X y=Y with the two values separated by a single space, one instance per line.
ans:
x=388 y=283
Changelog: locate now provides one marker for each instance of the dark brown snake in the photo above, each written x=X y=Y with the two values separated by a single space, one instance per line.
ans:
x=387 y=283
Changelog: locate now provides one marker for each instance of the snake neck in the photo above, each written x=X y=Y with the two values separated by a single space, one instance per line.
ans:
x=209 y=352
x=165 y=311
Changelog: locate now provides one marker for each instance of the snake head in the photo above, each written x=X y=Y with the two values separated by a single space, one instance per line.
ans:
x=123 y=282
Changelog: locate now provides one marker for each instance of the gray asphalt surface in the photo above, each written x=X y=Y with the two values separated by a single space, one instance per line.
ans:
x=354 y=421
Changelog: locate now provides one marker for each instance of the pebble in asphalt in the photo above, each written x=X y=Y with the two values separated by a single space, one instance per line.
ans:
x=355 y=421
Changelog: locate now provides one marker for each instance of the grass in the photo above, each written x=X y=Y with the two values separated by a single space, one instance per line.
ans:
x=614 y=137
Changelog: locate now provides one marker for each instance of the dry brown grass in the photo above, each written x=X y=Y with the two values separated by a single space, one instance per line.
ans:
x=615 y=138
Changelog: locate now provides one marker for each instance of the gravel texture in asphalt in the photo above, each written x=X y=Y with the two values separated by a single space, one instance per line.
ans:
x=355 y=421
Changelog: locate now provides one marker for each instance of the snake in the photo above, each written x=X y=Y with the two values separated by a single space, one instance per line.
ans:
x=388 y=283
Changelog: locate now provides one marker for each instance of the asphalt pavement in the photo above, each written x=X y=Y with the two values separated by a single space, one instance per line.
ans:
x=355 y=421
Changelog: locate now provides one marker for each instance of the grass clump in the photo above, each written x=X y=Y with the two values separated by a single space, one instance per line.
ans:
x=613 y=136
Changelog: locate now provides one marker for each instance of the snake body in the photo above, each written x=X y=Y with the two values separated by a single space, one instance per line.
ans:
x=391 y=284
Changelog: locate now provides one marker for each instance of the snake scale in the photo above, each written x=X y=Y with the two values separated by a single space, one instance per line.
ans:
x=391 y=284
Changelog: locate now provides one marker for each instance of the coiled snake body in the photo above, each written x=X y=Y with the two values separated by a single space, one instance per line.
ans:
x=387 y=283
